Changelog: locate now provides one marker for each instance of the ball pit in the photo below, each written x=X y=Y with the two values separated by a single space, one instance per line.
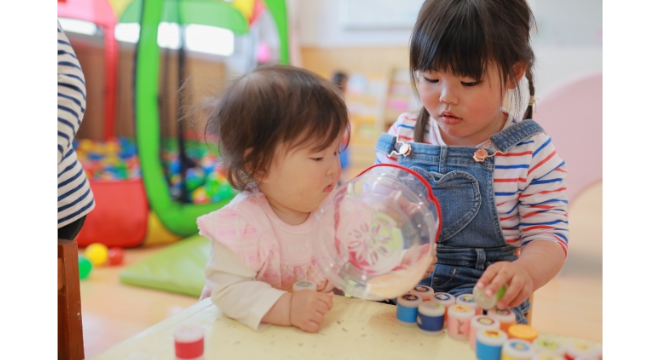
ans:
x=113 y=160
x=116 y=160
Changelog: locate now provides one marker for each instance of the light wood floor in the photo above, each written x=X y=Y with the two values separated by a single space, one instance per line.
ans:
x=571 y=304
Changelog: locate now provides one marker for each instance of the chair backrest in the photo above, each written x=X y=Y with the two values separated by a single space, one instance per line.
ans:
x=69 y=319
x=572 y=114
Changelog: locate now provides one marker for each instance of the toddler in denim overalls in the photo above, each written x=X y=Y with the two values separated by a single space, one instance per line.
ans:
x=499 y=180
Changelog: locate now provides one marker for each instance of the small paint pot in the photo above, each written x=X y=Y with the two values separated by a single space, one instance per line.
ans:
x=458 y=321
x=575 y=349
x=523 y=332
x=445 y=299
x=543 y=344
x=303 y=285
x=489 y=344
x=423 y=291
x=189 y=341
x=506 y=317
x=516 y=349
x=484 y=301
x=479 y=323
x=406 y=309
x=430 y=318
x=468 y=299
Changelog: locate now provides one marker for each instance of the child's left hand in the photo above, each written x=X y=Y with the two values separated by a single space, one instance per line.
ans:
x=515 y=277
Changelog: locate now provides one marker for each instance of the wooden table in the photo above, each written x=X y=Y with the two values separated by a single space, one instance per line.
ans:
x=353 y=329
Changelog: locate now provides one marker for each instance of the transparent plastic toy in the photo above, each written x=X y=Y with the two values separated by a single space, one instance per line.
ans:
x=377 y=232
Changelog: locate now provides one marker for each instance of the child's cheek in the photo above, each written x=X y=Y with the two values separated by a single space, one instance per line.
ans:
x=484 y=109
x=428 y=95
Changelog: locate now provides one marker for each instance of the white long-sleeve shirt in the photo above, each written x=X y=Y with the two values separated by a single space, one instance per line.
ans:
x=255 y=257
x=234 y=288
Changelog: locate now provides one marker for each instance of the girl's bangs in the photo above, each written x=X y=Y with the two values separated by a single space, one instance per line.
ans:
x=456 y=43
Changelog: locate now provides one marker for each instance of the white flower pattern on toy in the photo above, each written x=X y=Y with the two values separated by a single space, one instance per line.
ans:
x=368 y=242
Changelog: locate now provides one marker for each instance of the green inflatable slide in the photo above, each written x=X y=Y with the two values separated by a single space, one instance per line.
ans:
x=179 y=267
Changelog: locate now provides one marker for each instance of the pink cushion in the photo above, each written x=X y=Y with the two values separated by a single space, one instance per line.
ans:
x=572 y=114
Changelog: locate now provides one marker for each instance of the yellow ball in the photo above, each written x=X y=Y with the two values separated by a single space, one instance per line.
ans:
x=97 y=253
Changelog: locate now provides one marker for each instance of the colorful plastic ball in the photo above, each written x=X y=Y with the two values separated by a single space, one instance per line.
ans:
x=194 y=178
x=85 y=144
x=84 y=267
x=112 y=147
x=115 y=256
x=212 y=186
x=97 y=253
x=200 y=196
x=226 y=191
x=175 y=166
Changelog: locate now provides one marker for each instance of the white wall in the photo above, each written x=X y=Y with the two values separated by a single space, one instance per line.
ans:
x=568 y=42
x=320 y=26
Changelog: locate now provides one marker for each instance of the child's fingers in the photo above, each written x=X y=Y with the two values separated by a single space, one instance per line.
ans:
x=312 y=326
x=511 y=293
x=502 y=278
x=326 y=300
x=518 y=300
x=316 y=316
x=488 y=275
x=523 y=292
x=323 y=307
x=514 y=288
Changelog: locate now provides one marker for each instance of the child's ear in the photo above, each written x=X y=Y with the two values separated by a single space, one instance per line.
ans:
x=519 y=69
x=258 y=176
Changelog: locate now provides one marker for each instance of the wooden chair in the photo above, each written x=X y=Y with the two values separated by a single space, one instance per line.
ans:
x=69 y=319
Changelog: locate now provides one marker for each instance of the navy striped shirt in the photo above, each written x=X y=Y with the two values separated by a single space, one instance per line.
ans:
x=74 y=196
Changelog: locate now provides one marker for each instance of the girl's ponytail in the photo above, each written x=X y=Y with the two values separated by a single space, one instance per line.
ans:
x=420 y=125
x=530 y=105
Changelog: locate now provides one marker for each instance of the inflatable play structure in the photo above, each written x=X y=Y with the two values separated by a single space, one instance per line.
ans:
x=153 y=180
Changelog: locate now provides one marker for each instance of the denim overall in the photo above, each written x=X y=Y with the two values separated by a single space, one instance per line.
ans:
x=471 y=238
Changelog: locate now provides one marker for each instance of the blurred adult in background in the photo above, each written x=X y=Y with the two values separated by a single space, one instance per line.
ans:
x=74 y=196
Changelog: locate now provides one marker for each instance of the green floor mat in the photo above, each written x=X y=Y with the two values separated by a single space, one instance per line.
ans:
x=178 y=268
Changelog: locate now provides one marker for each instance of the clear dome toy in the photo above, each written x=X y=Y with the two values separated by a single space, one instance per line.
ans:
x=377 y=232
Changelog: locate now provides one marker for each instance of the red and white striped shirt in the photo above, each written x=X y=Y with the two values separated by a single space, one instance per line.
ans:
x=529 y=182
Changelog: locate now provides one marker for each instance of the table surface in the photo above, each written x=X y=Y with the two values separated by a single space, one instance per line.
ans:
x=353 y=329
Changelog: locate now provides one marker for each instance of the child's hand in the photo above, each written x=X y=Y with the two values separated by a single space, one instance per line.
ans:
x=408 y=259
x=432 y=260
x=515 y=277
x=308 y=309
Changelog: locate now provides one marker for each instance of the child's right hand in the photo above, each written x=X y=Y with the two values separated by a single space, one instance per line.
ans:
x=308 y=309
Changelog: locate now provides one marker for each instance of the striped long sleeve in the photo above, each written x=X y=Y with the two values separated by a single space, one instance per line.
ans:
x=542 y=200
x=74 y=196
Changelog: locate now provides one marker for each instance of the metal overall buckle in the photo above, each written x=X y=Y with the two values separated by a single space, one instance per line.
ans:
x=404 y=148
